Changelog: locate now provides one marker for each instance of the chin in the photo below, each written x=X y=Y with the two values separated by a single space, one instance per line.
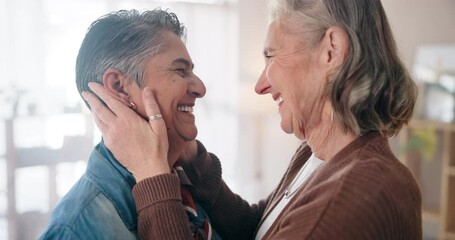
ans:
x=189 y=135
x=300 y=136
x=286 y=128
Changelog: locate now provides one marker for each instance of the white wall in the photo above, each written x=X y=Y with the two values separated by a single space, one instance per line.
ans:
x=419 y=22
x=3 y=39
x=264 y=150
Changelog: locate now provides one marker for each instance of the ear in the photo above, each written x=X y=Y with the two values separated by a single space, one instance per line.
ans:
x=335 y=46
x=116 y=84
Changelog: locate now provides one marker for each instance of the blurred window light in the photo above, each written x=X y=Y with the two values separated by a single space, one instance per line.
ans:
x=2 y=179
x=425 y=73
x=67 y=175
x=195 y=1
x=32 y=178
x=448 y=82
x=3 y=225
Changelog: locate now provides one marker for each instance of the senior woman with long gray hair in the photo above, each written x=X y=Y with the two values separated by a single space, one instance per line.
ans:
x=333 y=69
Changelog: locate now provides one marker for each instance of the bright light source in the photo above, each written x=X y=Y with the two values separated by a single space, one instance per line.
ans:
x=195 y=1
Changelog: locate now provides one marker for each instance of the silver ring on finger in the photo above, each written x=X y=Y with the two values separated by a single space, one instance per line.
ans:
x=155 y=117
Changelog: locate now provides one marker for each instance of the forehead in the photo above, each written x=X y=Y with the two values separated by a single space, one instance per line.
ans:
x=172 y=48
x=278 y=38
x=273 y=35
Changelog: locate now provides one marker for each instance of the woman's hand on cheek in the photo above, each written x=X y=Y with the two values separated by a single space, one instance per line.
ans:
x=138 y=145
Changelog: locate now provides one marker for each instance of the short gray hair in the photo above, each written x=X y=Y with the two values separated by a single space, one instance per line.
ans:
x=371 y=90
x=123 y=40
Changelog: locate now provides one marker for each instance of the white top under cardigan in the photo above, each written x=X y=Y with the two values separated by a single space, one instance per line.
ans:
x=306 y=170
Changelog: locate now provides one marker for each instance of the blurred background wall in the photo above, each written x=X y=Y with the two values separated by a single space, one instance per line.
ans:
x=46 y=134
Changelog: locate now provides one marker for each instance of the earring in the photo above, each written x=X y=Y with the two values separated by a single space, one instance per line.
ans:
x=132 y=106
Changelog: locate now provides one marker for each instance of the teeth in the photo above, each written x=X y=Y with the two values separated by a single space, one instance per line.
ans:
x=279 y=100
x=185 y=109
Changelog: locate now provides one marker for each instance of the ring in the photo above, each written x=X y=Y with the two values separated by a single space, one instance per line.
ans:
x=155 y=117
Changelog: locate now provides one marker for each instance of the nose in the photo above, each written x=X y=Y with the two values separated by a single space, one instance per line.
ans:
x=196 y=87
x=262 y=86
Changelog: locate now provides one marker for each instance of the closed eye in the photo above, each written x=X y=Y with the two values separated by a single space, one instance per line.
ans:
x=181 y=71
x=267 y=57
x=182 y=66
x=268 y=53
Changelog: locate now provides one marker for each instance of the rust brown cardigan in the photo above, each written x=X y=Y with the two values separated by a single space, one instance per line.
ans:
x=363 y=192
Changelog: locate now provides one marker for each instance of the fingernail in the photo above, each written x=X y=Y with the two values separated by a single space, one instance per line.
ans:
x=84 y=95
x=91 y=84
x=148 y=92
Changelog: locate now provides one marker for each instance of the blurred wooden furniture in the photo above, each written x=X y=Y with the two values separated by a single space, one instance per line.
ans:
x=74 y=148
x=433 y=165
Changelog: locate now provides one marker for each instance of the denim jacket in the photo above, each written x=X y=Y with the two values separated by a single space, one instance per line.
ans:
x=99 y=206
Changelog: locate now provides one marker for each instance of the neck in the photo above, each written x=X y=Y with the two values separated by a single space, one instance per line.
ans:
x=328 y=144
x=327 y=138
x=174 y=152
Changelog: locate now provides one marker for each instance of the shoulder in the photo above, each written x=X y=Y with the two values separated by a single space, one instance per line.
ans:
x=375 y=173
x=361 y=195
x=376 y=166
x=81 y=195
x=377 y=190
x=83 y=209
x=365 y=199
x=370 y=166
x=60 y=232
x=93 y=217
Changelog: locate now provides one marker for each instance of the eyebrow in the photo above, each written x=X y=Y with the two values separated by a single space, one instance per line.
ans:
x=183 y=61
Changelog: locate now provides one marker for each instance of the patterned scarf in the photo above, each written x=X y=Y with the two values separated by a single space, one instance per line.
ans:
x=199 y=220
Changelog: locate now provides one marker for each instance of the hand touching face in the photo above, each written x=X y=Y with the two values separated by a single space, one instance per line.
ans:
x=170 y=76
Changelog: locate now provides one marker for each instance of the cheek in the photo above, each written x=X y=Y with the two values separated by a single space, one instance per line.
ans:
x=164 y=102
x=171 y=94
x=283 y=74
x=272 y=73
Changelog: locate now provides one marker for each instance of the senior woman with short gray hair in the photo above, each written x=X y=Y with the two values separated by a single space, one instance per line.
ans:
x=333 y=69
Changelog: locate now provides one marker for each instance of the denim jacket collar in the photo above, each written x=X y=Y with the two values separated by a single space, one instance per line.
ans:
x=115 y=181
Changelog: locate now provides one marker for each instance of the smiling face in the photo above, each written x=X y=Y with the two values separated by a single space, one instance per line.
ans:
x=293 y=76
x=170 y=76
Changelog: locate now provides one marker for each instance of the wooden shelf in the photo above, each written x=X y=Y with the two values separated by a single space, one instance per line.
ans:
x=436 y=178
x=449 y=236
x=418 y=124
x=450 y=211
x=74 y=148
x=451 y=171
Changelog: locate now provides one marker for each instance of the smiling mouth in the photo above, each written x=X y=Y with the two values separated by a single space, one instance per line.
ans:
x=187 y=109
